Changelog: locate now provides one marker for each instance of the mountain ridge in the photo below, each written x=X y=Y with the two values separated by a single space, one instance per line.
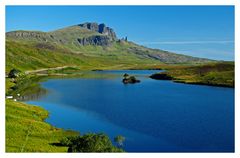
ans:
x=94 y=40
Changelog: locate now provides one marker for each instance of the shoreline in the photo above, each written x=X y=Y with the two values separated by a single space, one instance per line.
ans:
x=195 y=83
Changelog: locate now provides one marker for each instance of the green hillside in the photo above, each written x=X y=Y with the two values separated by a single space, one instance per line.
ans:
x=85 y=46
x=31 y=55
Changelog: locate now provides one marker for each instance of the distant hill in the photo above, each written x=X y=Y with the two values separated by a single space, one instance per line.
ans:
x=85 y=45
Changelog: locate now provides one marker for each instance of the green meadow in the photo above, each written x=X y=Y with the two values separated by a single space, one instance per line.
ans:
x=26 y=130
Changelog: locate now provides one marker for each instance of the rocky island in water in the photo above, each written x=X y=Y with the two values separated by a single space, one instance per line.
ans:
x=129 y=79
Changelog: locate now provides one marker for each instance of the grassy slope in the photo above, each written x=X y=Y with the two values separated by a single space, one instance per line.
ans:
x=26 y=130
x=215 y=74
x=30 y=56
x=30 y=50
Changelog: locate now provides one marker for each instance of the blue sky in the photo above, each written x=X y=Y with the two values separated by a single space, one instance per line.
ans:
x=202 y=31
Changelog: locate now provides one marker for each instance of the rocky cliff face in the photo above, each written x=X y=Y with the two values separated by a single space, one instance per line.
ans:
x=95 y=40
x=100 y=28
x=39 y=36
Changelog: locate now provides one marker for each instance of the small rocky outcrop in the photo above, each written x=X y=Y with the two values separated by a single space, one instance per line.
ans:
x=100 y=28
x=129 y=79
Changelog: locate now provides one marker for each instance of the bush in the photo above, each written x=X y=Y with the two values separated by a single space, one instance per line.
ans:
x=90 y=143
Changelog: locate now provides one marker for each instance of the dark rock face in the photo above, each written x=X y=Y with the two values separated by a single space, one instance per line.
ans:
x=90 y=26
x=101 y=28
x=95 y=40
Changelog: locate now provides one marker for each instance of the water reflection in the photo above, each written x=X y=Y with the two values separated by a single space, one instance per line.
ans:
x=33 y=96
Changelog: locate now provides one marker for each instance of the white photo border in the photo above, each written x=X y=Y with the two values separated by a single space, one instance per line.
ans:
x=4 y=3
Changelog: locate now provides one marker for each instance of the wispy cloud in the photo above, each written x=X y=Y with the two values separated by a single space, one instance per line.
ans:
x=187 y=42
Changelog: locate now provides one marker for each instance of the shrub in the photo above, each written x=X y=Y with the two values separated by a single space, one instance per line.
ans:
x=90 y=143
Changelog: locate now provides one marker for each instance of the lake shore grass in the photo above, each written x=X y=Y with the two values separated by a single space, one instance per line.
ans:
x=215 y=74
x=26 y=130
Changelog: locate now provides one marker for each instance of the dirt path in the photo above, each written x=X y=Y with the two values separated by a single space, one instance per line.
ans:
x=45 y=69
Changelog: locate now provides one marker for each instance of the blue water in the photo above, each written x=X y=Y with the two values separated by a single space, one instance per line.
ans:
x=153 y=116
